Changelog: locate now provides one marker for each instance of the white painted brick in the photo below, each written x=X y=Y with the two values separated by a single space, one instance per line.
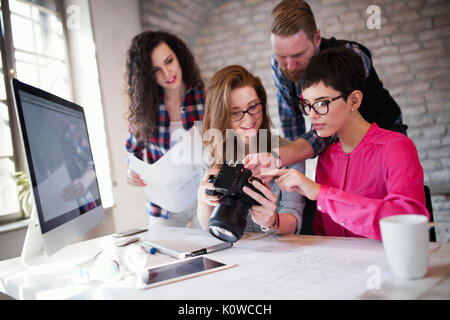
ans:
x=434 y=132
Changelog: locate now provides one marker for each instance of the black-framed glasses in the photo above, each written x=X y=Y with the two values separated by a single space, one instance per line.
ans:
x=319 y=107
x=252 y=110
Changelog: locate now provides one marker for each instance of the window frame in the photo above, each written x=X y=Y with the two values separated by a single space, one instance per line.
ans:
x=9 y=71
x=7 y=54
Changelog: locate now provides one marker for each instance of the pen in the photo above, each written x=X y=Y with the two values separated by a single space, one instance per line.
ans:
x=152 y=247
x=217 y=247
x=150 y=250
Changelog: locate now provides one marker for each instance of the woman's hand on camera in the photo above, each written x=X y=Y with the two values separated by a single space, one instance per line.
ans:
x=134 y=179
x=205 y=185
x=264 y=214
x=293 y=180
x=260 y=163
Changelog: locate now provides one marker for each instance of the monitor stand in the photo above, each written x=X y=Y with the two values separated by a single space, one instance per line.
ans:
x=35 y=257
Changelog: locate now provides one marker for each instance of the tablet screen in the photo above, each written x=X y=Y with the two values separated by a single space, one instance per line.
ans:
x=178 y=269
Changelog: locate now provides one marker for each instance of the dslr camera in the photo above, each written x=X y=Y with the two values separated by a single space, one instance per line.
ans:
x=228 y=220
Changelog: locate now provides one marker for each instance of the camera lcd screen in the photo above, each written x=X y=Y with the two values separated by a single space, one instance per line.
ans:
x=180 y=270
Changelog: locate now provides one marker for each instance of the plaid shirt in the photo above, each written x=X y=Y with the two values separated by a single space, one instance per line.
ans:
x=288 y=97
x=158 y=143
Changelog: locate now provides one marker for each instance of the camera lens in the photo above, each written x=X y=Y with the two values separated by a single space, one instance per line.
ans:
x=228 y=220
x=221 y=233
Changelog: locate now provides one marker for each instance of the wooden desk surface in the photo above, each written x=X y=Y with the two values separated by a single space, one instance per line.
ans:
x=268 y=267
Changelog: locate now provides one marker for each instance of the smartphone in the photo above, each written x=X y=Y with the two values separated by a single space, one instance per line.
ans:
x=129 y=232
x=178 y=270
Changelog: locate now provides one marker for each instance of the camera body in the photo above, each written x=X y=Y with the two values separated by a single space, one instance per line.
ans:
x=228 y=220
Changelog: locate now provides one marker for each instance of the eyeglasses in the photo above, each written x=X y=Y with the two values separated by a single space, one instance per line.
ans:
x=319 y=107
x=252 y=110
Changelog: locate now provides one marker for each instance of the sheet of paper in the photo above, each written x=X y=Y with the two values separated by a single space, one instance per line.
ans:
x=308 y=273
x=316 y=273
x=274 y=267
x=173 y=180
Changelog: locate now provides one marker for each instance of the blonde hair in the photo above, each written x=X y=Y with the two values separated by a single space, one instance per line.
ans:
x=292 y=16
x=218 y=101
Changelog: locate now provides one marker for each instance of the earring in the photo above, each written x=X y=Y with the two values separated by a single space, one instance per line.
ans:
x=352 y=110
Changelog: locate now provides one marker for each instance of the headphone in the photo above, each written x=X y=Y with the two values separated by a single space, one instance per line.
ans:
x=113 y=267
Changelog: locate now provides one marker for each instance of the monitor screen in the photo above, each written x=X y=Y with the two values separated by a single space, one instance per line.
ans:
x=59 y=157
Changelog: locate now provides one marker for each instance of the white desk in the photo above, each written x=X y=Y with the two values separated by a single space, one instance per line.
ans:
x=273 y=267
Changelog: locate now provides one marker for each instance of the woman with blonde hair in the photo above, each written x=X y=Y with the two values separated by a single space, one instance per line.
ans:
x=236 y=103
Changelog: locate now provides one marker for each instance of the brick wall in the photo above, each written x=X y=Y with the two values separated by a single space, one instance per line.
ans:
x=411 y=53
x=227 y=32
x=181 y=17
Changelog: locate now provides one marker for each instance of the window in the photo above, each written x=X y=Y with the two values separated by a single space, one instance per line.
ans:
x=35 y=50
x=40 y=52
x=9 y=202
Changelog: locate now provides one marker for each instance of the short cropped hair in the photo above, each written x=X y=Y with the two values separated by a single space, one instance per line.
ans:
x=339 y=68
x=292 y=16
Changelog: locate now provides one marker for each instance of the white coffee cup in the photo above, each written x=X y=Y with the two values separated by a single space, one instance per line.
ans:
x=406 y=243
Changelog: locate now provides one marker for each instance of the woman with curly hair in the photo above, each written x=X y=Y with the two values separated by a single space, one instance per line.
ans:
x=165 y=93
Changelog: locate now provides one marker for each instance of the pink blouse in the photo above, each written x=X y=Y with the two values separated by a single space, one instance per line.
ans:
x=381 y=177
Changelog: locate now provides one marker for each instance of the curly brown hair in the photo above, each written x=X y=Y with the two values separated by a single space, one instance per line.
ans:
x=144 y=94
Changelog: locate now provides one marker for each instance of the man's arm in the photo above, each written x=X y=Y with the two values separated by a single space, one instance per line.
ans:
x=288 y=153
x=308 y=146
x=296 y=151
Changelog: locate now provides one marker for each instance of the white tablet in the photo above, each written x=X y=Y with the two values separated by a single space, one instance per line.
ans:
x=178 y=270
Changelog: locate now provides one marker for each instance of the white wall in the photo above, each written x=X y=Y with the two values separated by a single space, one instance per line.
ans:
x=115 y=23
x=11 y=242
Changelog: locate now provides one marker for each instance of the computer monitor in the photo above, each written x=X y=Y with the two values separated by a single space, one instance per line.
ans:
x=62 y=175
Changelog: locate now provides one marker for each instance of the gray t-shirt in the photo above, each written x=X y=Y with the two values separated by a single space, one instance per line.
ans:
x=287 y=203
